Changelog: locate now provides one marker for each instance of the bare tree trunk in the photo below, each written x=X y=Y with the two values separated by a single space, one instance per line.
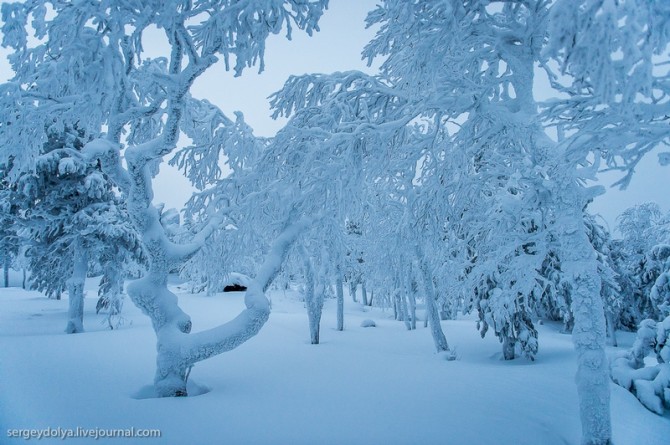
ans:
x=364 y=294
x=178 y=352
x=396 y=308
x=340 y=298
x=75 y=287
x=314 y=296
x=5 y=269
x=508 y=347
x=611 y=329
x=411 y=296
x=431 y=305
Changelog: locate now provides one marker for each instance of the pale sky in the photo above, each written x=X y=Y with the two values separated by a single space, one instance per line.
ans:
x=337 y=47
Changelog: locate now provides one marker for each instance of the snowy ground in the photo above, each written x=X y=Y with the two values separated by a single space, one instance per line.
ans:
x=380 y=385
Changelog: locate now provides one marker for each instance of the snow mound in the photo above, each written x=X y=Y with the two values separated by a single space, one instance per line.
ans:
x=449 y=356
x=149 y=391
x=650 y=383
x=367 y=323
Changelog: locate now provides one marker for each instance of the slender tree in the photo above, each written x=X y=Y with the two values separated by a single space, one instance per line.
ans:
x=10 y=243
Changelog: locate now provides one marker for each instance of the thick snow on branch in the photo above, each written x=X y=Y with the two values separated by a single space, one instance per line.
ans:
x=202 y=345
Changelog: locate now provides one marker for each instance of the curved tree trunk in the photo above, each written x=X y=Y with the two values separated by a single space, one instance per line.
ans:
x=177 y=351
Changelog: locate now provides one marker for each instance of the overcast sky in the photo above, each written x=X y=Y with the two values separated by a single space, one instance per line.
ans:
x=337 y=48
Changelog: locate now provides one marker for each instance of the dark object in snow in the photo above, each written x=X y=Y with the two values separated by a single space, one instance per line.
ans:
x=368 y=324
x=234 y=288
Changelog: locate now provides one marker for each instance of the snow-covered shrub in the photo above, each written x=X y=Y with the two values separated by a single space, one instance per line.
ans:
x=649 y=382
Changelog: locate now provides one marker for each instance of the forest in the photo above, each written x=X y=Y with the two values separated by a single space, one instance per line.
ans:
x=437 y=195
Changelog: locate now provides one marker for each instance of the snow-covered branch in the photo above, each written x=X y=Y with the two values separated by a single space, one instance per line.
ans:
x=202 y=345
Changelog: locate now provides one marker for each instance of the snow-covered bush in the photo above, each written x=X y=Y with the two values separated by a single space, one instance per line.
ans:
x=367 y=323
x=647 y=377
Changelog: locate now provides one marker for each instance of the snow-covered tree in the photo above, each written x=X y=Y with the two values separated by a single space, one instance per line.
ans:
x=73 y=219
x=610 y=56
x=479 y=150
x=324 y=162
x=354 y=258
x=359 y=118
x=613 y=108
x=86 y=65
x=610 y=290
x=660 y=292
x=644 y=232
x=10 y=243
x=555 y=299
x=458 y=77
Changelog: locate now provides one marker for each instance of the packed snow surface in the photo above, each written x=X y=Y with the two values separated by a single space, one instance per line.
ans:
x=359 y=386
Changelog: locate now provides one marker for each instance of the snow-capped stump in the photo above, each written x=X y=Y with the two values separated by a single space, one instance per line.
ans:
x=367 y=323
